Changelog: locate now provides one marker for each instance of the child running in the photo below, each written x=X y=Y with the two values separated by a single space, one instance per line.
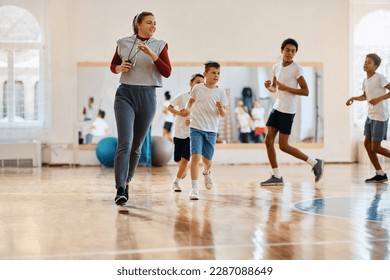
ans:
x=181 y=132
x=287 y=76
x=375 y=128
x=207 y=104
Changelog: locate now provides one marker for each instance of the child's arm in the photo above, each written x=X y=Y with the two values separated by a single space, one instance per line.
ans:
x=271 y=86
x=186 y=110
x=303 y=90
x=221 y=109
x=357 y=98
x=375 y=101
x=172 y=109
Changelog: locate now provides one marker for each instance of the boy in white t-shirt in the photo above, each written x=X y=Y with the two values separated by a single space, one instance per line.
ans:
x=181 y=132
x=287 y=76
x=375 y=128
x=207 y=104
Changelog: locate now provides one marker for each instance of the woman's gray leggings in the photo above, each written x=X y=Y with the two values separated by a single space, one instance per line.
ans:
x=135 y=107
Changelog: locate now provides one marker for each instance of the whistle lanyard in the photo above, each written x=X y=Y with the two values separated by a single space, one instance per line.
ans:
x=129 y=59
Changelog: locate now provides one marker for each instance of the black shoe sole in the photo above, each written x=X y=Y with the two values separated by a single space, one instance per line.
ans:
x=272 y=185
x=121 y=200
x=376 y=182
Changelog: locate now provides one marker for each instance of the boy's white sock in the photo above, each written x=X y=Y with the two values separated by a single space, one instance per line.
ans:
x=311 y=161
x=380 y=172
x=194 y=184
x=276 y=172
x=177 y=180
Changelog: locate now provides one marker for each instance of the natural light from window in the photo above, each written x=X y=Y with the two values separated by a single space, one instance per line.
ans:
x=371 y=36
x=20 y=56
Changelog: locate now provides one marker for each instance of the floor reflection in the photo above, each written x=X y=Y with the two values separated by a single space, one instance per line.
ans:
x=340 y=218
x=377 y=228
x=369 y=208
x=193 y=228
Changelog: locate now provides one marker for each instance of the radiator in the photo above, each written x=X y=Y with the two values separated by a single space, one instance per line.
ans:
x=23 y=154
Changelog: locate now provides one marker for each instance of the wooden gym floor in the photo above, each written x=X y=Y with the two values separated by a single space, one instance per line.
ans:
x=69 y=213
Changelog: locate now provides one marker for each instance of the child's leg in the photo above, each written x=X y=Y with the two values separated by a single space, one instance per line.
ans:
x=195 y=159
x=378 y=149
x=368 y=145
x=208 y=181
x=285 y=147
x=316 y=164
x=372 y=148
x=270 y=142
x=194 y=192
x=206 y=164
x=210 y=139
x=183 y=164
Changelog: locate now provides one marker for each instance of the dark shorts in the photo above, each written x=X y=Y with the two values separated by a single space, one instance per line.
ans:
x=282 y=121
x=182 y=149
x=168 y=126
x=376 y=129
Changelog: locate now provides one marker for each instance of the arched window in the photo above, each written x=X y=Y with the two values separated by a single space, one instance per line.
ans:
x=371 y=36
x=20 y=73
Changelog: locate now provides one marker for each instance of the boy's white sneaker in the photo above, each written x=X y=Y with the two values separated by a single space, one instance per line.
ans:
x=208 y=181
x=194 y=194
x=176 y=187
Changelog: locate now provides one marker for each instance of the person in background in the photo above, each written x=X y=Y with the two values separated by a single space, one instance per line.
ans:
x=244 y=125
x=258 y=124
x=169 y=117
x=99 y=127
x=89 y=111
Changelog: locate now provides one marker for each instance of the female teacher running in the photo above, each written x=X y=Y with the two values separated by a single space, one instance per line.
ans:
x=142 y=61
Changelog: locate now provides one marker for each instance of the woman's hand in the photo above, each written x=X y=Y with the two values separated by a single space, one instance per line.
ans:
x=124 y=67
x=144 y=48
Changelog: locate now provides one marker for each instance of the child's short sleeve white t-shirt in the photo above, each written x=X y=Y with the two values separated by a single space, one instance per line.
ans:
x=204 y=113
x=181 y=130
x=375 y=87
x=285 y=101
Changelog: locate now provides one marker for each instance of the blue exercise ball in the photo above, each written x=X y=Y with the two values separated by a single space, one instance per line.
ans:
x=105 y=151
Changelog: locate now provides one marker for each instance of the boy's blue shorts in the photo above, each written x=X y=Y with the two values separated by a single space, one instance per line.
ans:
x=202 y=142
x=376 y=129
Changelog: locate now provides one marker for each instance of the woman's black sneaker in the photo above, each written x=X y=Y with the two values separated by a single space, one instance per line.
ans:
x=122 y=195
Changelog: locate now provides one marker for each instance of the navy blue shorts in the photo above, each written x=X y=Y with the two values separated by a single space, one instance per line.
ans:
x=182 y=149
x=168 y=126
x=282 y=121
x=376 y=129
